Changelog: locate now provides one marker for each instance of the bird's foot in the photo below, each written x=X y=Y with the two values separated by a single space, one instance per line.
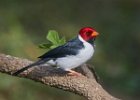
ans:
x=73 y=73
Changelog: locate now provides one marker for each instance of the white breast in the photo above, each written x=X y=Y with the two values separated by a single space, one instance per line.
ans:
x=71 y=61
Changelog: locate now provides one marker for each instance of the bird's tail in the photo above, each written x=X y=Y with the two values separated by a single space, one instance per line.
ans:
x=39 y=62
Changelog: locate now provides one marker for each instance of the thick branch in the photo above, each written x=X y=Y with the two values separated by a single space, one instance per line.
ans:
x=86 y=87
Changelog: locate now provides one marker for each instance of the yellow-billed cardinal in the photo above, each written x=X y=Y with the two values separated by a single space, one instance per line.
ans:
x=70 y=55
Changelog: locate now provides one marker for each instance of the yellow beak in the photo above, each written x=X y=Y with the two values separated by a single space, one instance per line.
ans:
x=94 y=34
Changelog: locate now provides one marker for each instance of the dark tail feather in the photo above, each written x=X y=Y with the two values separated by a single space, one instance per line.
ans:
x=39 y=62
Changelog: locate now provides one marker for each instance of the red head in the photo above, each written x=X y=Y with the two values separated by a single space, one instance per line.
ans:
x=88 y=33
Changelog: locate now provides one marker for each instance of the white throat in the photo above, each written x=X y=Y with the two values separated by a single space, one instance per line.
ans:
x=81 y=39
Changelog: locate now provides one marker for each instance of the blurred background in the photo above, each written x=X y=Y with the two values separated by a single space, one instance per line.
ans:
x=25 y=23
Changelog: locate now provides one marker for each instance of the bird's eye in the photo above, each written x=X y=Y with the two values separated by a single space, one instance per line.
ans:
x=88 y=33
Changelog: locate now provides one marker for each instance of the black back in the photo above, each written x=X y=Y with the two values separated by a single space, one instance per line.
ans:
x=72 y=47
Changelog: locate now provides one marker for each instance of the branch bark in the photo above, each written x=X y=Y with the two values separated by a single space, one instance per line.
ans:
x=85 y=86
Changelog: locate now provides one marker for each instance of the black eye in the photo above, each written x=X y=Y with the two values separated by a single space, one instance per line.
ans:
x=88 y=33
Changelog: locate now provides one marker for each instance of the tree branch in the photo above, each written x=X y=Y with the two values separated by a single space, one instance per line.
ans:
x=84 y=86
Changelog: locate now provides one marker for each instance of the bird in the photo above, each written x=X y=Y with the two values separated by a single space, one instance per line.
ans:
x=70 y=55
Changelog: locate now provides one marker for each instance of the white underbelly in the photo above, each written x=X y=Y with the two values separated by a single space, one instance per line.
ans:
x=67 y=63
x=72 y=61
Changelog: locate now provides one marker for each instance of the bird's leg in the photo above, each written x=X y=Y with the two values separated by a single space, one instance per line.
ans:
x=73 y=73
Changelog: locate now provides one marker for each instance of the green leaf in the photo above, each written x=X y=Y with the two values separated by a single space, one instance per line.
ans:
x=53 y=36
x=45 y=45
x=53 y=40
x=53 y=46
x=62 y=41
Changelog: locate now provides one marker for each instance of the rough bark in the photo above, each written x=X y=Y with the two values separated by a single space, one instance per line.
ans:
x=85 y=86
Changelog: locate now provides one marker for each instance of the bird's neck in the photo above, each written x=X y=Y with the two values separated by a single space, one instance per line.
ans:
x=91 y=41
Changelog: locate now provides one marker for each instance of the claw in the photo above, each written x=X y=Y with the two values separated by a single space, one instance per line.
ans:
x=73 y=73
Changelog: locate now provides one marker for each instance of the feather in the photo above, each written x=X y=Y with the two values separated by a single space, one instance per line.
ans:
x=39 y=62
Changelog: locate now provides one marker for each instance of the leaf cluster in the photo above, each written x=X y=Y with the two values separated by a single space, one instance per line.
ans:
x=53 y=40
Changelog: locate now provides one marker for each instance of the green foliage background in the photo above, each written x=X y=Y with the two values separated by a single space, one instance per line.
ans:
x=24 y=24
